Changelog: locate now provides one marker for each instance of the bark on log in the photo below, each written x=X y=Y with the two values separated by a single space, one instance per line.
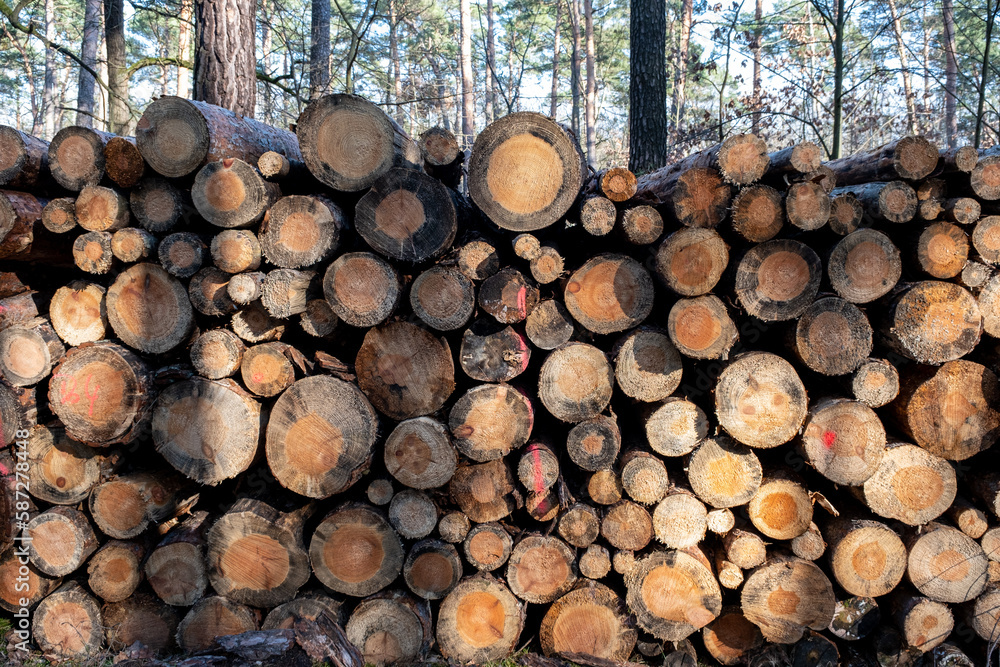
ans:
x=443 y=298
x=176 y=568
x=910 y=158
x=891 y=202
x=123 y=162
x=800 y=158
x=26 y=159
x=140 y=619
x=758 y=213
x=777 y=280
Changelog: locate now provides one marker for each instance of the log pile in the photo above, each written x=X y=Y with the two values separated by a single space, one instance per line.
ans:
x=304 y=390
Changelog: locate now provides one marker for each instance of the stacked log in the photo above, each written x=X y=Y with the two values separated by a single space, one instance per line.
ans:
x=300 y=386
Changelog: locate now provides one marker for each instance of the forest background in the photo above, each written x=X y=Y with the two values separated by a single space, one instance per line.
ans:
x=846 y=74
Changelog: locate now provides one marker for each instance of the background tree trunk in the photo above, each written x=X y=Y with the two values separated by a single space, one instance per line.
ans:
x=49 y=87
x=114 y=37
x=648 y=90
x=588 y=14
x=574 y=19
x=491 y=63
x=319 y=48
x=397 y=82
x=681 y=67
x=85 y=102
x=468 y=92
x=911 y=110
x=758 y=33
x=553 y=109
x=225 y=65
x=184 y=48
x=950 y=75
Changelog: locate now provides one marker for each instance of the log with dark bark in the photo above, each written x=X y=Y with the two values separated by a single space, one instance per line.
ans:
x=76 y=157
x=777 y=280
x=231 y=193
x=123 y=162
x=693 y=197
x=889 y=202
x=758 y=213
x=25 y=161
x=909 y=158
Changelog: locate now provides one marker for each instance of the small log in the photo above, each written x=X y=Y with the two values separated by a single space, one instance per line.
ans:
x=390 y=628
x=744 y=548
x=985 y=178
x=443 y=298
x=541 y=569
x=673 y=593
x=782 y=508
x=487 y=546
x=348 y=143
x=237 y=250
x=62 y=471
x=122 y=161
x=101 y=418
x=148 y=309
x=253 y=323
x=644 y=477
x=453 y=527
x=442 y=155
x=591 y=621
x=124 y=506
x=701 y=328
x=968 y=518
x=67 y=625
x=695 y=196
x=627 y=525
x=245 y=288
x=787 y=596
x=808 y=206
x=595 y=562
x=949 y=411
x=100 y=209
x=724 y=473
x=285 y=292
x=641 y=225
x=26 y=159
x=419 y=453
x=892 y=202
x=380 y=492
x=211 y=618
x=413 y=514
x=362 y=288
x=355 y=551
x=484 y=492
x=910 y=158
x=18 y=412
x=730 y=637
x=720 y=521
x=538 y=468
x=432 y=569
x=479 y=621
x=525 y=171
x=133 y=244
x=777 y=280
x=680 y=520
x=318 y=319
x=875 y=383
x=593 y=444
x=597 y=215
x=37 y=585
x=833 y=336
x=182 y=254
x=140 y=619
x=207 y=429
x=846 y=214
x=176 y=568
x=307 y=605
x=209 y=292
x=867 y=558
x=946 y=565
x=526 y=246
x=493 y=352
x=963 y=210
x=266 y=370
x=864 y=266
x=676 y=427
x=604 y=487
x=549 y=325
x=320 y=436
x=301 y=231
x=910 y=485
x=28 y=351
x=59 y=215
x=158 y=205
x=478 y=260
x=800 y=158
x=727 y=573
x=810 y=545
x=508 y=296
x=115 y=570
x=942 y=250
x=758 y=213
x=691 y=261
x=548 y=267
x=276 y=167
x=760 y=400
x=92 y=252
x=76 y=157
x=616 y=183
x=61 y=540
x=843 y=440
x=217 y=354
x=231 y=193
x=580 y=525
x=575 y=382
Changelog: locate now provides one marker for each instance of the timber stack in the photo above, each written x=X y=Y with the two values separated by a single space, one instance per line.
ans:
x=356 y=397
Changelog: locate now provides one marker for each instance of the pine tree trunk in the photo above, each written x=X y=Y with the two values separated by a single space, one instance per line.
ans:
x=184 y=29
x=468 y=83
x=554 y=103
x=225 y=64
x=49 y=89
x=319 y=49
x=950 y=129
x=648 y=87
x=591 y=115
x=85 y=98
x=119 y=114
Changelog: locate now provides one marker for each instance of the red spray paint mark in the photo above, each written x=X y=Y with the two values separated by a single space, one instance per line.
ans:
x=91 y=396
x=522 y=301
x=829 y=437
x=3 y=470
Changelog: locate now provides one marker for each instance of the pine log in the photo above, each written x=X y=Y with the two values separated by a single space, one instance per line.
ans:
x=538 y=468
x=864 y=266
x=962 y=159
x=724 y=473
x=541 y=569
x=616 y=183
x=492 y=352
x=301 y=231
x=644 y=477
x=968 y=518
x=984 y=616
x=176 y=568
x=432 y=569
x=875 y=383
x=348 y=143
x=744 y=548
x=932 y=322
x=549 y=325
x=413 y=514
x=419 y=453
x=237 y=250
x=478 y=260
x=575 y=382
x=691 y=261
x=604 y=487
x=525 y=171
x=25 y=159
x=760 y=400
x=946 y=565
x=443 y=158
x=479 y=621
x=777 y=280
x=362 y=288
x=132 y=244
x=140 y=619
x=484 y=492
x=454 y=527
x=680 y=520
x=593 y=444
x=923 y=623
x=974 y=275
x=487 y=546
x=963 y=210
x=891 y=202
x=730 y=637
x=390 y=628
x=728 y=574
x=673 y=593
x=92 y=252
x=99 y=418
x=866 y=557
x=253 y=323
x=641 y=225
x=355 y=551
x=846 y=214
x=245 y=288
x=28 y=351
x=949 y=411
x=627 y=525
x=910 y=485
x=148 y=309
x=177 y=136
x=76 y=157
x=307 y=605
x=59 y=215
x=67 y=625
x=910 y=158
x=122 y=161
x=782 y=508
x=786 y=596
x=548 y=267
x=443 y=298
x=18 y=412
x=807 y=206
x=158 y=205
x=100 y=209
x=22 y=587
x=986 y=239
x=230 y=193
x=985 y=178
x=701 y=328
x=207 y=429
x=590 y=621
x=62 y=471
x=217 y=354
x=318 y=319
x=115 y=570
x=266 y=369
x=597 y=215
x=810 y=545
x=843 y=440
x=833 y=337
x=380 y=492
x=124 y=506
x=211 y=618
x=182 y=254
x=61 y=540
x=595 y=562
x=508 y=295
x=647 y=366
x=208 y=291
x=758 y=213
x=580 y=525
x=676 y=427
x=285 y=292
x=720 y=521
x=542 y=507
x=942 y=250
x=985 y=486
x=800 y=158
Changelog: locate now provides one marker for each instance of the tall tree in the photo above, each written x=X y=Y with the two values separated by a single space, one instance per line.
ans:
x=591 y=108
x=491 y=64
x=758 y=33
x=184 y=48
x=647 y=86
x=397 y=79
x=574 y=22
x=85 y=102
x=319 y=48
x=114 y=40
x=49 y=85
x=225 y=65
x=554 y=105
x=468 y=98
x=836 y=17
x=984 y=68
x=902 y=50
x=950 y=75
x=680 y=85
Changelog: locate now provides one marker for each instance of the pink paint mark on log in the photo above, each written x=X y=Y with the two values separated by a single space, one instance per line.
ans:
x=522 y=301
x=829 y=437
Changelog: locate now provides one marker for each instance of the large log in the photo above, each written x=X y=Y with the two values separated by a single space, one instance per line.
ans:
x=910 y=158
x=76 y=156
x=932 y=322
x=25 y=159
x=785 y=597
x=609 y=293
x=67 y=625
x=910 y=485
x=479 y=621
x=589 y=620
x=760 y=400
x=301 y=231
x=673 y=593
x=354 y=551
x=231 y=193
x=777 y=280
x=390 y=628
